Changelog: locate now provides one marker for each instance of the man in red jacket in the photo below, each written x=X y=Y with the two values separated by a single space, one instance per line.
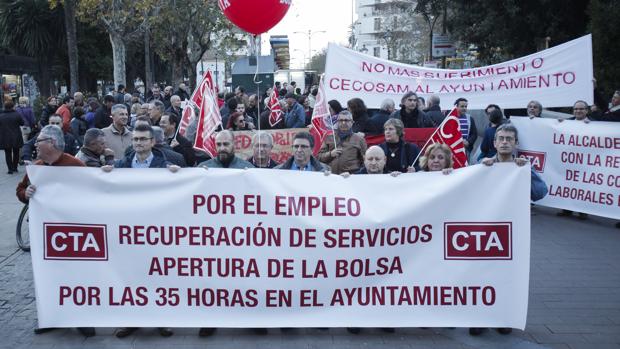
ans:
x=65 y=111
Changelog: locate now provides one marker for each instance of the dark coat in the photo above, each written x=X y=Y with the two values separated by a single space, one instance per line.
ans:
x=377 y=121
x=314 y=163
x=185 y=148
x=29 y=150
x=362 y=124
x=264 y=121
x=159 y=160
x=408 y=153
x=172 y=156
x=10 y=131
x=416 y=119
x=435 y=114
x=78 y=129
x=45 y=115
x=102 y=117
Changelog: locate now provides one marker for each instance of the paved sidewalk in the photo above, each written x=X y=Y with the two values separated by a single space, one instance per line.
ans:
x=574 y=299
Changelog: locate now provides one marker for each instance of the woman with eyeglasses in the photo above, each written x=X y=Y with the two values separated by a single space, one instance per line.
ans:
x=237 y=122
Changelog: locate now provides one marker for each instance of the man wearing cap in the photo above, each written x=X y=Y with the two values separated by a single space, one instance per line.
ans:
x=295 y=117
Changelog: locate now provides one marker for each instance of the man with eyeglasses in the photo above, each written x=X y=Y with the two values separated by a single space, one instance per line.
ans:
x=506 y=140
x=143 y=155
x=117 y=135
x=226 y=158
x=343 y=152
x=50 y=144
x=71 y=144
x=302 y=159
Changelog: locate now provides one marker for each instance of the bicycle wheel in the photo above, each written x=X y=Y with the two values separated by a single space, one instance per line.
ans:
x=23 y=235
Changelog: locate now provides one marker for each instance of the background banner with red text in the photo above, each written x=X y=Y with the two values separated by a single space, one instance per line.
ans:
x=283 y=141
x=579 y=162
x=556 y=77
x=274 y=248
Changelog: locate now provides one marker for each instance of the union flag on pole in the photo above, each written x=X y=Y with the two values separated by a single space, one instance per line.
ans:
x=322 y=123
x=449 y=133
x=188 y=115
x=209 y=121
x=205 y=84
x=274 y=105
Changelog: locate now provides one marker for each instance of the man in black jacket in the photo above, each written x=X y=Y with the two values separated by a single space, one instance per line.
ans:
x=434 y=110
x=410 y=114
x=102 y=115
x=180 y=144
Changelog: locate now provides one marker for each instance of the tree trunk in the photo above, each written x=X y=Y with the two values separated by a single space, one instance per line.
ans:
x=72 y=48
x=44 y=77
x=178 y=58
x=118 y=58
x=148 y=61
x=192 y=74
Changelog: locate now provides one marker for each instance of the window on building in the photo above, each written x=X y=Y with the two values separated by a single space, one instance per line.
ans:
x=377 y=24
x=376 y=51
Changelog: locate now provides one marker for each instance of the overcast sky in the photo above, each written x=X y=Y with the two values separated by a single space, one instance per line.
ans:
x=332 y=16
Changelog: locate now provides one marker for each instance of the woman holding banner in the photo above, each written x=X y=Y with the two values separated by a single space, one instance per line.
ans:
x=400 y=154
x=437 y=157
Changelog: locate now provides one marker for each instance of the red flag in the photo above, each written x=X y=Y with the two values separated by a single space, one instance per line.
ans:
x=276 y=109
x=208 y=122
x=199 y=92
x=322 y=123
x=188 y=115
x=449 y=133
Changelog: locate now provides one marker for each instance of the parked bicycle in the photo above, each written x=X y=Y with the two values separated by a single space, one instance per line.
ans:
x=22 y=233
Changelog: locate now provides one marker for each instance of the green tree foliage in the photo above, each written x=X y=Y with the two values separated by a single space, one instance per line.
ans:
x=184 y=30
x=31 y=28
x=503 y=29
x=317 y=62
x=605 y=21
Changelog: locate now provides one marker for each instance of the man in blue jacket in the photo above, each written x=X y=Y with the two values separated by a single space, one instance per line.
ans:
x=296 y=116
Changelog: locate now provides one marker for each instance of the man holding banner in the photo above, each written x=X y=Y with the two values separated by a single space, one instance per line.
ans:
x=506 y=140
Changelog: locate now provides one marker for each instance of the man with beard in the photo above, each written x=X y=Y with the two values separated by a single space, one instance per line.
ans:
x=226 y=158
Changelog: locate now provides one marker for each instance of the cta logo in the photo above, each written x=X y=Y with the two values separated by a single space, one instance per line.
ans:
x=537 y=159
x=478 y=240
x=75 y=241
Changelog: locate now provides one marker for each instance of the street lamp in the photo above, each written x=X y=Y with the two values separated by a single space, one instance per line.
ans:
x=309 y=34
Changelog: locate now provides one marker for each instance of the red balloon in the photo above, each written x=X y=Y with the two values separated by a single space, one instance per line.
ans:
x=255 y=16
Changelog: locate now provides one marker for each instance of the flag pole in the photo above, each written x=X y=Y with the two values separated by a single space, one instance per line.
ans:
x=429 y=139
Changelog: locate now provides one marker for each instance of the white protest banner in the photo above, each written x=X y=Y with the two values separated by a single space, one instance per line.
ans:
x=556 y=77
x=274 y=248
x=579 y=162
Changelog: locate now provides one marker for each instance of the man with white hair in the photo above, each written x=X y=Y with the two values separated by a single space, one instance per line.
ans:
x=50 y=145
x=434 y=110
x=262 y=144
x=117 y=135
x=175 y=106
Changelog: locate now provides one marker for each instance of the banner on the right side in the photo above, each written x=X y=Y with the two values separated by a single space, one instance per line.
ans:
x=579 y=162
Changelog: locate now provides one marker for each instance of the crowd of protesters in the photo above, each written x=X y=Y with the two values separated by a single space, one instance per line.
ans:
x=130 y=131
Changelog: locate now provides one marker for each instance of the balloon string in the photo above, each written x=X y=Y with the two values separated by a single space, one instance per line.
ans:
x=258 y=99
